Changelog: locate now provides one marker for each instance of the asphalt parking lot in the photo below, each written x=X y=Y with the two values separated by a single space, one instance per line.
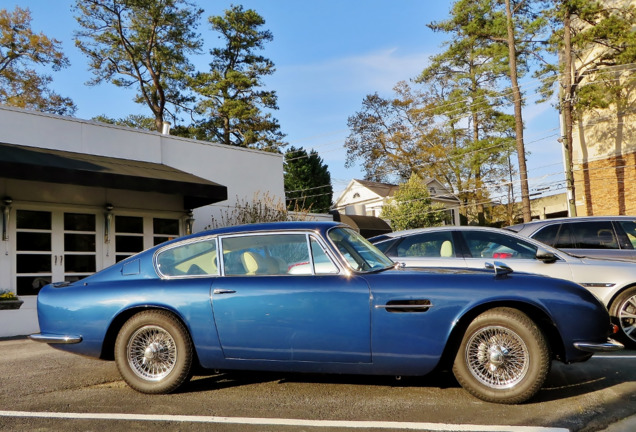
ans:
x=48 y=390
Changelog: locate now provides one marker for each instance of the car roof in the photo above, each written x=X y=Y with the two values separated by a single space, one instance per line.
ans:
x=442 y=228
x=518 y=227
x=272 y=226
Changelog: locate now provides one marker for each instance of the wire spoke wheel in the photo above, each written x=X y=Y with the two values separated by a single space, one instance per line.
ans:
x=152 y=353
x=504 y=357
x=497 y=357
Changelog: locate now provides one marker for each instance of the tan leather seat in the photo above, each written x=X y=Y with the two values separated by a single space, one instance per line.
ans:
x=252 y=262
x=446 y=250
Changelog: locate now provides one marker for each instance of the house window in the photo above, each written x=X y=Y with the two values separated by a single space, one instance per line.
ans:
x=53 y=246
x=129 y=237
x=164 y=230
x=356 y=195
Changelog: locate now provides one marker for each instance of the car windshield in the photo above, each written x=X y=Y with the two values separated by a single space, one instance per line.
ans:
x=359 y=253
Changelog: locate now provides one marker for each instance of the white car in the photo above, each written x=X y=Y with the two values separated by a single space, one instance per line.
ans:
x=613 y=282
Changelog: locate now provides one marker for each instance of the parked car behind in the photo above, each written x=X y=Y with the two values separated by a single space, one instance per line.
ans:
x=614 y=282
x=612 y=237
x=317 y=297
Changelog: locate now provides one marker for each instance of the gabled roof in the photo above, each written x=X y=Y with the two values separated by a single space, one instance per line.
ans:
x=381 y=189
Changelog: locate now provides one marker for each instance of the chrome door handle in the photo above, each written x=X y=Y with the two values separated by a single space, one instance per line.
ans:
x=223 y=291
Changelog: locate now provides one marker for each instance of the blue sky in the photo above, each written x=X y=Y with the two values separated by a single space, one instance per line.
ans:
x=329 y=54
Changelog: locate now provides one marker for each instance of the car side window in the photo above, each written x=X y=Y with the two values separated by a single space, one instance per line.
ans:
x=274 y=255
x=594 y=235
x=322 y=262
x=486 y=244
x=189 y=259
x=547 y=235
x=630 y=229
x=429 y=245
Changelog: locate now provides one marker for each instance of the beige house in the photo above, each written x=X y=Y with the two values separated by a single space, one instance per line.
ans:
x=362 y=197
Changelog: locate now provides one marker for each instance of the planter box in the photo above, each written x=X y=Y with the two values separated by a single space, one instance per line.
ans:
x=10 y=304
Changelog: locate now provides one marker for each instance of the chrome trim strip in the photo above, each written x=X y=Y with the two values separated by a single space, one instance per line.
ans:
x=597 y=284
x=404 y=306
x=593 y=347
x=55 y=339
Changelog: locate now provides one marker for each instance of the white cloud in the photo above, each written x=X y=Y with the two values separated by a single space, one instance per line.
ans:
x=374 y=71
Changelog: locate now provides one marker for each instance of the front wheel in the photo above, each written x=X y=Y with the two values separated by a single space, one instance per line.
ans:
x=153 y=352
x=623 y=312
x=503 y=357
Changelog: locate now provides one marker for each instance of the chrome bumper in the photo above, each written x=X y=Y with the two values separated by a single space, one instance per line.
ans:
x=594 y=347
x=55 y=339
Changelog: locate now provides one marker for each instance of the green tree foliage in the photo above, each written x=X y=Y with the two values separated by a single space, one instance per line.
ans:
x=141 y=44
x=394 y=137
x=411 y=207
x=21 y=50
x=473 y=66
x=136 y=121
x=234 y=103
x=307 y=181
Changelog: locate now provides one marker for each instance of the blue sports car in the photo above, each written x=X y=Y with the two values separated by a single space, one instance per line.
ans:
x=317 y=297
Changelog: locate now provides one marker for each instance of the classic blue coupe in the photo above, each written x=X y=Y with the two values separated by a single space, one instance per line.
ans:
x=317 y=297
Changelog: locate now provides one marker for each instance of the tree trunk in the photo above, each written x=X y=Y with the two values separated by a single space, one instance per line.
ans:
x=516 y=93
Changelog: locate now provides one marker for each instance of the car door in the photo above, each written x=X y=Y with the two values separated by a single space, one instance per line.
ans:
x=427 y=249
x=520 y=255
x=302 y=310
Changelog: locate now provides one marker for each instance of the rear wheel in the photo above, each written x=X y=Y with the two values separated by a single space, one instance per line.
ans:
x=504 y=357
x=623 y=311
x=153 y=352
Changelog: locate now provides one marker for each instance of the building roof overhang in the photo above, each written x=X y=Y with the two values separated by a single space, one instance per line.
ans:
x=56 y=166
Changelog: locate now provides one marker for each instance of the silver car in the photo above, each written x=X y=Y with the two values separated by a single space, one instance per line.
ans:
x=613 y=282
x=611 y=237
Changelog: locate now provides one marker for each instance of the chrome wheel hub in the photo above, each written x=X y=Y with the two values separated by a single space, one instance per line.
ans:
x=497 y=357
x=152 y=353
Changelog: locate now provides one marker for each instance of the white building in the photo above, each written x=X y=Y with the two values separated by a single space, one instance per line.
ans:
x=362 y=197
x=77 y=196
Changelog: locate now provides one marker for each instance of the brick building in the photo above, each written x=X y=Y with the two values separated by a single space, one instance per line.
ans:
x=604 y=147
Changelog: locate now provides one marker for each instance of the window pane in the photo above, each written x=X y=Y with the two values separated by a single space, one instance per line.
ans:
x=79 y=222
x=594 y=235
x=166 y=226
x=130 y=244
x=129 y=224
x=29 y=241
x=266 y=255
x=630 y=229
x=434 y=244
x=79 y=263
x=32 y=263
x=322 y=263
x=189 y=259
x=547 y=235
x=30 y=285
x=28 y=219
x=79 y=242
x=497 y=246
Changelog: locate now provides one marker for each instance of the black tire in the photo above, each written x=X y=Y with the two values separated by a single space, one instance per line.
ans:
x=503 y=357
x=623 y=312
x=153 y=352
